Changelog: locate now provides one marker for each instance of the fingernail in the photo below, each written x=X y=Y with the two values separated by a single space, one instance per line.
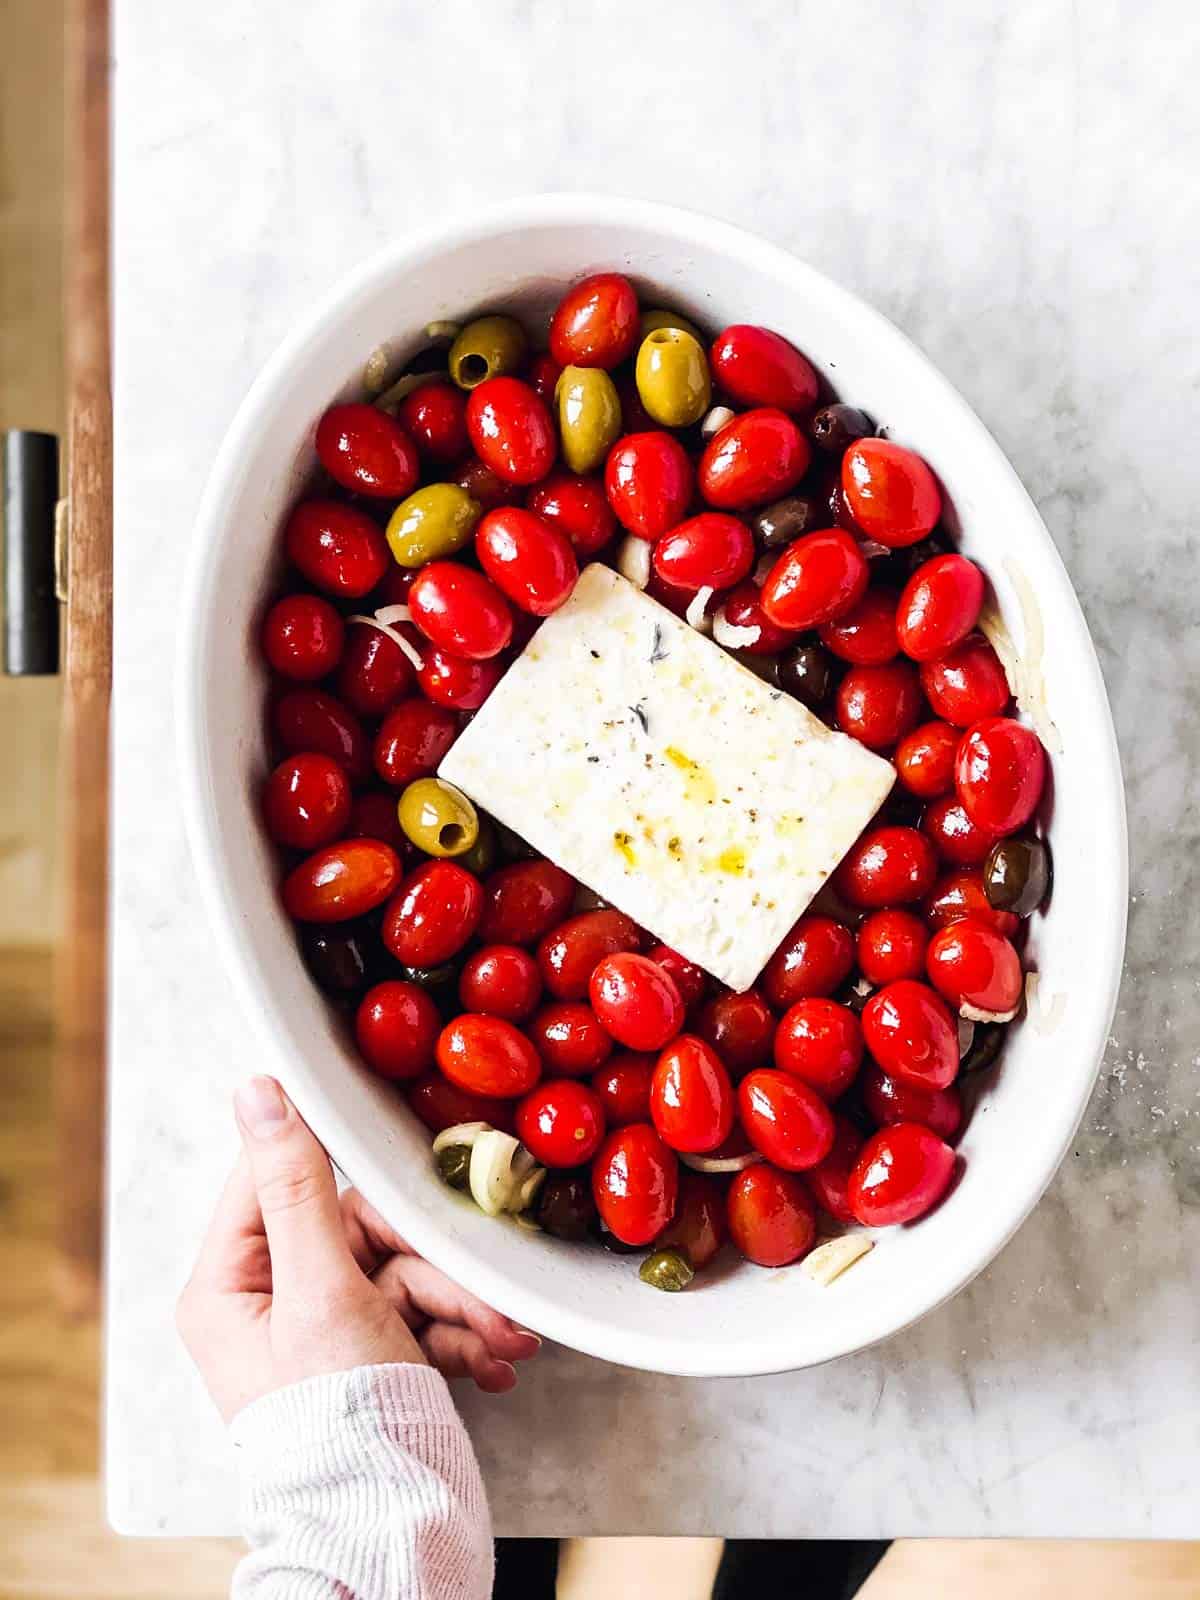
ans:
x=528 y=1333
x=261 y=1107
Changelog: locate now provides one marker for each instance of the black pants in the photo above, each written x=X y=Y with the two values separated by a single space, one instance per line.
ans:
x=751 y=1569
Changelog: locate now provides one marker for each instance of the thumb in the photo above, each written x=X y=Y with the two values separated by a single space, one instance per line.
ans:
x=296 y=1191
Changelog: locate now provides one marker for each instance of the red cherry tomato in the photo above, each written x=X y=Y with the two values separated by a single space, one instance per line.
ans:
x=577 y=508
x=740 y=1028
x=561 y=1124
x=570 y=1038
x=502 y=980
x=460 y=610
x=956 y=837
x=436 y=419
x=373 y=816
x=441 y=1104
x=676 y=600
x=648 y=479
x=902 y=1173
x=341 y=881
x=691 y=1097
x=891 y=493
x=771 y=1216
x=756 y=367
x=527 y=559
x=542 y=376
x=570 y=954
x=961 y=894
x=338 y=549
x=821 y=1043
x=483 y=485
x=743 y=609
x=999 y=773
x=488 y=1056
x=888 y=1100
x=412 y=740
x=830 y=1179
x=911 y=1034
x=690 y=980
x=374 y=672
x=307 y=719
x=635 y=1184
x=756 y=457
x=819 y=577
x=887 y=867
x=637 y=1001
x=784 y=1119
x=397 y=1026
x=364 y=449
x=879 y=705
x=891 y=945
x=434 y=915
x=712 y=550
x=699 y=1227
x=939 y=607
x=524 y=900
x=924 y=759
x=451 y=680
x=814 y=960
x=623 y=1084
x=866 y=634
x=302 y=637
x=595 y=324
x=967 y=683
x=306 y=801
x=511 y=430
x=975 y=969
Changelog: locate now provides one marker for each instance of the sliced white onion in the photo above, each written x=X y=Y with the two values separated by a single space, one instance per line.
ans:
x=733 y=635
x=410 y=651
x=828 y=1261
x=492 y=1185
x=442 y=332
x=974 y=1014
x=696 y=614
x=461 y=1133
x=1044 y=1016
x=1023 y=668
x=715 y=421
x=633 y=561
x=720 y=1163
x=391 y=615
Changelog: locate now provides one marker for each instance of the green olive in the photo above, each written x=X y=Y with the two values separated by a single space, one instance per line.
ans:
x=1016 y=875
x=667 y=1269
x=481 y=857
x=565 y=1207
x=438 y=818
x=486 y=348
x=672 y=377
x=433 y=522
x=985 y=1047
x=589 y=416
x=659 y=317
x=454 y=1165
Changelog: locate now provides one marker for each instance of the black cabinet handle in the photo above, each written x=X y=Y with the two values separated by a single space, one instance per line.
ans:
x=31 y=619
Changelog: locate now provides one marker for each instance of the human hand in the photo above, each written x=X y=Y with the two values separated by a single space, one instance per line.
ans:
x=293 y=1283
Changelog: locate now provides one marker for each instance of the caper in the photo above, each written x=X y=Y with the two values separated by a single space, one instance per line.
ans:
x=433 y=522
x=660 y=317
x=806 y=673
x=835 y=428
x=481 y=857
x=667 y=1269
x=985 y=1046
x=438 y=818
x=339 y=958
x=589 y=416
x=1016 y=875
x=565 y=1207
x=486 y=348
x=784 y=520
x=454 y=1165
x=672 y=377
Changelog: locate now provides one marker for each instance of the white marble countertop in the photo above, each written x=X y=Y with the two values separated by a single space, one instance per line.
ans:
x=1015 y=186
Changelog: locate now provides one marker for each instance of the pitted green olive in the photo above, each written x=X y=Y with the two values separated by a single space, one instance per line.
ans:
x=667 y=1269
x=438 y=818
x=660 y=317
x=481 y=857
x=486 y=348
x=672 y=377
x=433 y=522
x=589 y=416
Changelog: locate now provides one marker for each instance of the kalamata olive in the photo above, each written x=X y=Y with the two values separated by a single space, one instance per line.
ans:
x=986 y=1044
x=666 y=1269
x=454 y=1165
x=836 y=427
x=339 y=958
x=1016 y=875
x=784 y=520
x=807 y=675
x=565 y=1208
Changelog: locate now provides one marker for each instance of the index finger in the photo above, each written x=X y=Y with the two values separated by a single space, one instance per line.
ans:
x=372 y=1240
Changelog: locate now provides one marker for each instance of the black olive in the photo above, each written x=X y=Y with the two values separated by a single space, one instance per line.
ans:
x=852 y=997
x=511 y=845
x=1016 y=875
x=341 y=959
x=807 y=675
x=835 y=428
x=784 y=520
x=985 y=1046
x=565 y=1207
x=903 y=809
x=899 y=567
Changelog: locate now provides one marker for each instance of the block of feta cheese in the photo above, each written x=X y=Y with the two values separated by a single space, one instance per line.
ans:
x=661 y=773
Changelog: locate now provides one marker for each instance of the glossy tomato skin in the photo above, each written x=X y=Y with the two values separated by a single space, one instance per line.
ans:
x=691 y=1097
x=911 y=1034
x=441 y=1104
x=577 y=507
x=542 y=376
x=648 y=479
x=412 y=741
x=595 y=324
x=460 y=610
x=829 y=1180
x=434 y=915
x=699 y=1227
x=635 y=1184
x=892 y=495
x=435 y=418
x=743 y=608
x=373 y=673
x=451 y=680
x=814 y=960
x=756 y=367
x=771 y=1216
x=820 y=1043
x=636 y=1000
x=939 y=607
x=961 y=894
x=866 y=634
x=891 y=944
x=511 y=430
x=487 y=1056
x=758 y=456
x=502 y=980
x=889 y=1100
x=924 y=759
x=879 y=705
x=999 y=774
x=309 y=719
x=623 y=1084
x=341 y=881
x=364 y=449
x=887 y=866
x=485 y=486
x=302 y=637
x=690 y=980
x=975 y=968
x=528 y=560
x=397 y=1025
x=784 y=1119
x=955 y=836
x=337 y=548
x=967 y=683
x=902 y=1172
x=306 y=802
x=570 y=1038
x=570 y=953
x=524 y=900
x=740 y=1028
x=819 y=577
x=561 y=1123
x=712 y=550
